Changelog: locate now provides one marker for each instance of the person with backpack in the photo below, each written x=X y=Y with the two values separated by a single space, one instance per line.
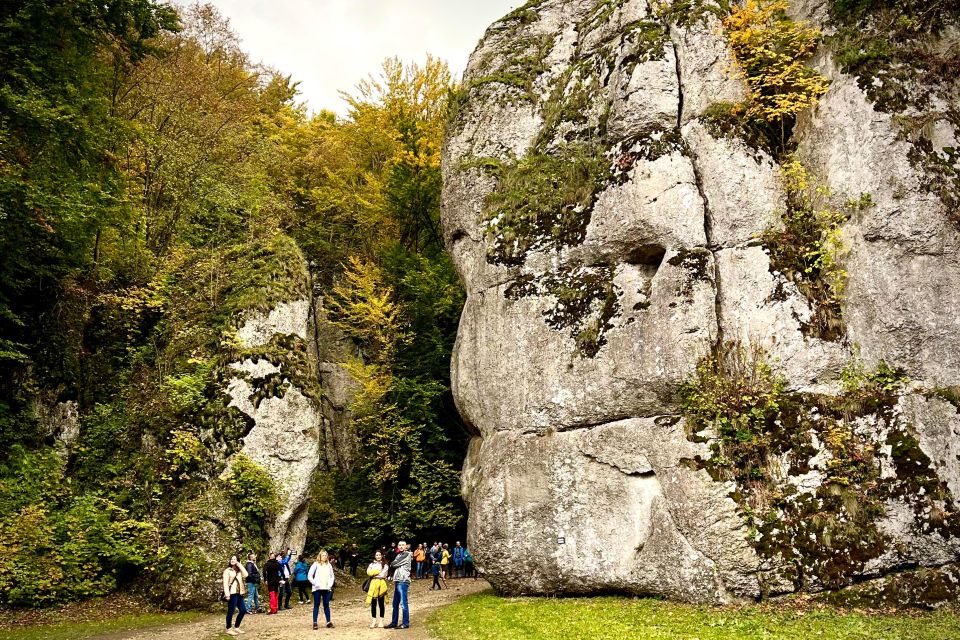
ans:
x=272 y=570
x=457 y=560
x=300 y=572
x=377 y=573
x=321 y=578
x=253 y=584
x=234 y=590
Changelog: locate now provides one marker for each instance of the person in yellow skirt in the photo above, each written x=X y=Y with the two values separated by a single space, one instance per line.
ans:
x=377 y=591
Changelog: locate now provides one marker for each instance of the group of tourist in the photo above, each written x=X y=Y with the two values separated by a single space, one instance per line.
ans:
x=394 y=563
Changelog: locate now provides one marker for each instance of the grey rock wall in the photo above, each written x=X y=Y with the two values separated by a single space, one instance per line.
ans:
x=569 y=355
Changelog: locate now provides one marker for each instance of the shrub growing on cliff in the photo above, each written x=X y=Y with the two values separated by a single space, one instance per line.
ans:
x=807 y=247
x=771 y=51
x=734 y=398
x=254 y=495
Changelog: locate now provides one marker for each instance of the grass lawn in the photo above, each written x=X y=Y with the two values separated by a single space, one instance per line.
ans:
x=485 y=616
x=90 y=628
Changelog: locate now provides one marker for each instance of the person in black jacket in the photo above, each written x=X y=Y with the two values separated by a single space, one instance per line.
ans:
x=272 y=569
x=253 y=583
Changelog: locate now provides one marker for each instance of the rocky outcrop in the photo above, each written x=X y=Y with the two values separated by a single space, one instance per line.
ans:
x=285 y=439
x=609 y=238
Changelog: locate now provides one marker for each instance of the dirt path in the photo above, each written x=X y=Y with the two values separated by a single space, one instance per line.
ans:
x=350 y=612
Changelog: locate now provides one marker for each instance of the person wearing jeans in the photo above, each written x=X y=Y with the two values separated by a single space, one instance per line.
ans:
x=234 y=577
x=253 y=584
x=321 y=578
x=401 y=581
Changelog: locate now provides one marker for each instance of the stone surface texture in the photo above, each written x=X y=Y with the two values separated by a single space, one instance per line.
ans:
x=582 y=477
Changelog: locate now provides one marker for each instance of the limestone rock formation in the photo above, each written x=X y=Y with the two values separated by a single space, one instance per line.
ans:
x=285 y=439
x=609 y=239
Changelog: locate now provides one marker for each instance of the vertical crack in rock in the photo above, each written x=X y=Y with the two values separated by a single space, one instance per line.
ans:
x=707 y=215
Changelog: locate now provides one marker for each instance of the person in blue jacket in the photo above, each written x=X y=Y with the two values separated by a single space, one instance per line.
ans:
x=458 y=561
x=300 y=571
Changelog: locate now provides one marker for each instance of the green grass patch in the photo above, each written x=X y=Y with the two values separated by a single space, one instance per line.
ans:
x=89 y=629
x=486 y=616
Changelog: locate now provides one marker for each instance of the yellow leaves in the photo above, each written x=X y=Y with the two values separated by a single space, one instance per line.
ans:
x=363 y=306
x=770 y=50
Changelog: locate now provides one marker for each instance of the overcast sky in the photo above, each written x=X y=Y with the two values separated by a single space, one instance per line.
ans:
x=329 y=45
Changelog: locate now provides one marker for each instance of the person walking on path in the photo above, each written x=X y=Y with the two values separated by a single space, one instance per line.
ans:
x=272 y=570
x=321 y=578
x=444 y=561
x=300 y=572
x=253 y=584
x=377 y=591
x=234 y=589
x=419 y=556
x=401 y=581
x=435 y=570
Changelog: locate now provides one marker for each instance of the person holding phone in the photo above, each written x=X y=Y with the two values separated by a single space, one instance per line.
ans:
x=234 y=590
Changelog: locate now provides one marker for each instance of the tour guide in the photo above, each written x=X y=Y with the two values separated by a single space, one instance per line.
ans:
x=401 y=581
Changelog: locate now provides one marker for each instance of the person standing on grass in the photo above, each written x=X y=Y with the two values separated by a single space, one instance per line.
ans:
x=377 y=592
x=401 y=581
x=321 y=578
x=234 y=589
x=300 y=572
x=253 y=584
x=272 y=572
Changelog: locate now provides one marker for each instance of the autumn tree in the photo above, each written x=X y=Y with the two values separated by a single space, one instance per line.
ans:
x=771 y=52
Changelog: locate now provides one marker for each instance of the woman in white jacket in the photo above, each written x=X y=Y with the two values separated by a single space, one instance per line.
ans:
x=321 y=579
x=234 y=588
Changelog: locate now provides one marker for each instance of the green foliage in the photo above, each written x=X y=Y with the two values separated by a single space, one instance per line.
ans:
x=735 y=399
x=255 y=497
x=758 y=433
x=687 y=13
x=543 y=200
x=49 y=556
x=807 y=247
x=488 y=617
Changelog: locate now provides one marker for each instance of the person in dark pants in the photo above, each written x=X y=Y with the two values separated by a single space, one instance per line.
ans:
x=234 y=589
x=435 y=569
x=321 y=579
x=354 y=559
x=286 y=572
x=300 y=571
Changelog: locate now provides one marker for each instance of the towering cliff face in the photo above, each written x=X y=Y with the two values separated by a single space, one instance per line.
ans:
x=610 y=238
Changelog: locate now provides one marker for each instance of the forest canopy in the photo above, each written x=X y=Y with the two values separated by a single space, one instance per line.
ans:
x=155 y=184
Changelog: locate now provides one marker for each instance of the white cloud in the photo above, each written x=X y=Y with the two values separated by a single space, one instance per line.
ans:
x=329 y=45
